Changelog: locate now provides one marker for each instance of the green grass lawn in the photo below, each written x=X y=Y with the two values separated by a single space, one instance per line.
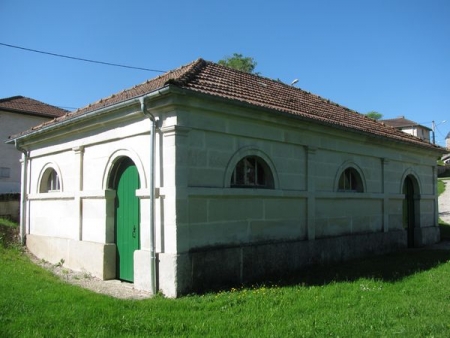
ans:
x=405 y=294
x=440 y=186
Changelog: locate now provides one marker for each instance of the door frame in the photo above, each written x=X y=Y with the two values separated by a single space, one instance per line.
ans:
x=411 y=209
x=120 y=166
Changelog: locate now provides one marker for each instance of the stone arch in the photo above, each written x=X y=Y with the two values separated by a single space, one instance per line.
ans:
x=416 y=181
x=350 y=165
x=44 y=175
x=114 y=159
x=410 y=188
x=245 y=152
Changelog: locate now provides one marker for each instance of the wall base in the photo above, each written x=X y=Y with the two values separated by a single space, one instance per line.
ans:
x=427 y=236
x=96 y=258
x=221 y=267
x=142 y=270
x=212 y=268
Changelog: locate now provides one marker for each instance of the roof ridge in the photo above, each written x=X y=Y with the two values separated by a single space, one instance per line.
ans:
x=193 y=66
x=44 y=103
x=11 y=98
x=25 y=105
x=192 y=69
x=398 y=118
x=216 y=80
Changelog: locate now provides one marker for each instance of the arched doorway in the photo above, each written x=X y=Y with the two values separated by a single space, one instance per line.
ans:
x=409 y=208
x=126 y=218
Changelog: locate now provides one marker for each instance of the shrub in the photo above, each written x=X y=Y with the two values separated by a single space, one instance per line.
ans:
x=9 y=233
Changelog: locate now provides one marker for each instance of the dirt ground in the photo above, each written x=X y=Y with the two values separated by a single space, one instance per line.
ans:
x=113 y=288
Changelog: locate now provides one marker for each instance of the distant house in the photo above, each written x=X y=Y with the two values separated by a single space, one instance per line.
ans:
x=446 y=157
x=17 y=114
x=207 y=176
x=409 y=127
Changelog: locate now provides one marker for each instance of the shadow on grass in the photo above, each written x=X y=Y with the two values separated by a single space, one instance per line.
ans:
x=388 y=268
x=445 y=230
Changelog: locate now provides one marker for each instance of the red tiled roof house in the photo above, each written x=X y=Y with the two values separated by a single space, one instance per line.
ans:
x=410 y=127
x=18 y=113
x=207 y=176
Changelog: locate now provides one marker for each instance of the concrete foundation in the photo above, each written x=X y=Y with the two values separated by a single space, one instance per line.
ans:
x=142 y=270
x=220 y=267
x=96 y=258
x=428 y=236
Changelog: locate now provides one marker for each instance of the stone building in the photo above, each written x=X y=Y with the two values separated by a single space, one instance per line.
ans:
x=207 y=176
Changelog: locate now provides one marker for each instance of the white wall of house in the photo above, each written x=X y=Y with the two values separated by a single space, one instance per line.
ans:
x=417 y=131
x=80 y=217
x=198 y=142
x=10 y=124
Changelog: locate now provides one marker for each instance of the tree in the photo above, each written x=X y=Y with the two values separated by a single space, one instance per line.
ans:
x=374 y=115
x=239 y=62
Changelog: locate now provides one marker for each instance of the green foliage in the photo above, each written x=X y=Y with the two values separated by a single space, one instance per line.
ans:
x=8 y=233
x=8 y=223
x=440 y=186
x=239 y=62
x=405 y=295
x=374 y=115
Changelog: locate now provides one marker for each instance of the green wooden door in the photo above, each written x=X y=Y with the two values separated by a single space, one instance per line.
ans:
x=127 y=220
x=409 y=211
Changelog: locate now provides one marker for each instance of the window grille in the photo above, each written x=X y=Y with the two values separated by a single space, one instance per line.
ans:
x=252 y=172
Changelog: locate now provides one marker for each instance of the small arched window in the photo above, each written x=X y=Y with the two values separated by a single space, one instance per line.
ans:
x=350 y=181
x=50 y=181
x=252 y=172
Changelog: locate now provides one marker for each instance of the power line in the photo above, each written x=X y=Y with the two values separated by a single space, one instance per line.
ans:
x=81 y=59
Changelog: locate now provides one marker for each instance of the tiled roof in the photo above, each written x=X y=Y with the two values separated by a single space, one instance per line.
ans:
x=212 y=79
x=401 y=122
x=25 y=105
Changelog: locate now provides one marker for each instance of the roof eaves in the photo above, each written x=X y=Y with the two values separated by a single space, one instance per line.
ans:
x=63 y=121
x=401 y=139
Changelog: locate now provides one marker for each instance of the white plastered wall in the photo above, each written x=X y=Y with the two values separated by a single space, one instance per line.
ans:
x=307 y=160
x=76 y=224
x=195 y=207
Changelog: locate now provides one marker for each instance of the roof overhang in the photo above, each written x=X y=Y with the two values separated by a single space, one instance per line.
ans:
x=67 y=120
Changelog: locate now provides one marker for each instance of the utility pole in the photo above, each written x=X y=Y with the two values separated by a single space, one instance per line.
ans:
x=433 y=127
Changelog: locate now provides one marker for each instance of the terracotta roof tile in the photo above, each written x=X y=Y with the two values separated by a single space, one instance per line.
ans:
x=25 y=105
x=216 y=80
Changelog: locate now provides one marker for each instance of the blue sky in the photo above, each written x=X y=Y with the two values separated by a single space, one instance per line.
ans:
x=390 y=56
